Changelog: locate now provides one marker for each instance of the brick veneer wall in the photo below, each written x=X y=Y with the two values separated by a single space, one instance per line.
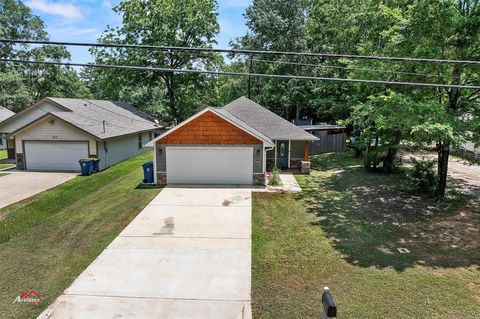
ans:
x=259 y=179
x=161 y=178
x=20 y=161
x=296 y=163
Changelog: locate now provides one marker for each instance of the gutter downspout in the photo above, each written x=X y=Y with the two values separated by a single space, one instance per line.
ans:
x=265 y=158
x=155 y=163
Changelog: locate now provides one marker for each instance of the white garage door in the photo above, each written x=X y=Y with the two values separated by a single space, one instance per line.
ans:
x=209 y=165
x=55 y=156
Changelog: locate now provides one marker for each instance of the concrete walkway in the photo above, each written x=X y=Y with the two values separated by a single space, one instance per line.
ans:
x=186 y=255
x=289 y=183
x=17 y=186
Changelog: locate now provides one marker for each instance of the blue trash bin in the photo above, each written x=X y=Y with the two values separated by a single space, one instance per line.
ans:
x=95 y=164
x=86 y=166
x=148 y=172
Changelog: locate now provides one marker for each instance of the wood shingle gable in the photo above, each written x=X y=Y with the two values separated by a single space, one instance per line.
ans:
x=209 y=129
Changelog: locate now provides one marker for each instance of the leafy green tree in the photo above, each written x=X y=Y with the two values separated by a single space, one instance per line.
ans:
x=185 y=23
x=388 y=119
x=277 y=25
x=33 y=82
x=18 y=22
x=13 y=92
x=442 y=29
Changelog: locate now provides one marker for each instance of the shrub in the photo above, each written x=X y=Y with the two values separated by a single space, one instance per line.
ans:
x=422 y=178
x=275 y=181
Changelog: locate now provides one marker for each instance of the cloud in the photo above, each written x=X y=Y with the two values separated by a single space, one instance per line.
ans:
x=66 y=10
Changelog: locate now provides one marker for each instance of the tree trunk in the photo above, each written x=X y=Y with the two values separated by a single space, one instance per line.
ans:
x=443 y=156
x=389 y=160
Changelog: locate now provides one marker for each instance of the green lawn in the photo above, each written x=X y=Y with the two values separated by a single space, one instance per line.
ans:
x=3 y=155
x=3 y=166
x=49 y=239
x=342 y=231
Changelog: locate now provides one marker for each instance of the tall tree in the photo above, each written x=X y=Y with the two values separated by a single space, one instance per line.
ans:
x=33 y=81
x=276 y=25
x=442 y=29
x=13 y=92
x=185 y=23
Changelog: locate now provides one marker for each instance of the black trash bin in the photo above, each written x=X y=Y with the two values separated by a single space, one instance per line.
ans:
x=148 y=172
x=96 y=164
x=86 y=166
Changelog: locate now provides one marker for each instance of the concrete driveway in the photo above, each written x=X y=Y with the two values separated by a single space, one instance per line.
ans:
x=186 y=255
x=17 y=186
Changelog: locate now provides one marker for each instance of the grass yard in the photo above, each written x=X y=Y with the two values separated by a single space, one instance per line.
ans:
x=3 y=166
x=48 y=240
x=342 y=231
x=3 y=156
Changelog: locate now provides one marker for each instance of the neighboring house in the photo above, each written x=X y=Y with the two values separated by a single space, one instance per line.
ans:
x=55 y=133
x=470 y=147
x=332 y=138
x=4 y=114
x=235 y=144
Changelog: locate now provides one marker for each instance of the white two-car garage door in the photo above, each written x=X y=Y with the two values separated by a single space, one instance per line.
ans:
x=55 y=155
x=209 y=165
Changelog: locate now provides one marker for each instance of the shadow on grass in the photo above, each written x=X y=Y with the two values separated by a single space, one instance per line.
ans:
x=147 y=186
x=367 y=216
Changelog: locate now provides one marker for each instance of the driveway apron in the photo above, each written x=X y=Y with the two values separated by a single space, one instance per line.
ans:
x=17 y=186
x=186 y=255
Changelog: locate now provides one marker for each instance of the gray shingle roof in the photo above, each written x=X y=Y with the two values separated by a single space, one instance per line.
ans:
x=5 y=113
x=322 y=126
x=232 y=118
x=265 y=121
x=90 y=116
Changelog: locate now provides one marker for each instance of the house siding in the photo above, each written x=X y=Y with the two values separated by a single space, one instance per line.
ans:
x=115 y=150
x=53 y=129
x=29 y=116
x=297 y=149
x=470 y=147
x=209 y=129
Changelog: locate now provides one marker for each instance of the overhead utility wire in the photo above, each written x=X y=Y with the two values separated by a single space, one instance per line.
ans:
x=242 y=51
x=348 y=68
x=260 y=75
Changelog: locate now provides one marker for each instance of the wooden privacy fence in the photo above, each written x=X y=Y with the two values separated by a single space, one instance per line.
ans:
x=328 y=144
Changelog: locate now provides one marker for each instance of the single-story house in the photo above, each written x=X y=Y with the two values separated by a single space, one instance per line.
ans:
x=4 y=114
x=331 y=138
x=55 y=133
x=235 y=144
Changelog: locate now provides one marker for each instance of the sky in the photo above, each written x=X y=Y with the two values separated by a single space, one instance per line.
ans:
x=86 y=20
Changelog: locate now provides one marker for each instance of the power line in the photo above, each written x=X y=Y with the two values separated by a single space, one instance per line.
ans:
x=243 y=51
x=348 y=68
x=259 y=75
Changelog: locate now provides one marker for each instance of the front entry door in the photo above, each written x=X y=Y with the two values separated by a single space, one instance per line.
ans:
x=282 y=154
